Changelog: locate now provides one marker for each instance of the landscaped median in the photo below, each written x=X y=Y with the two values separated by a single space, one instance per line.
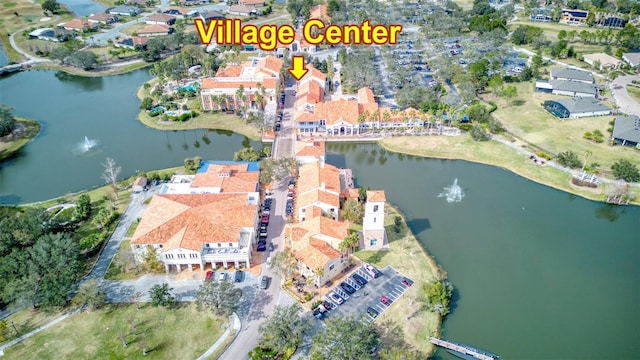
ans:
x=493 y=153
x=123 y=331
x=408 y=256
x=217 y=121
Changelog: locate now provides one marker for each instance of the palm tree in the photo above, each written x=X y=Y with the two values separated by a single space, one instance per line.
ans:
x=586 y=156
x=239 y=95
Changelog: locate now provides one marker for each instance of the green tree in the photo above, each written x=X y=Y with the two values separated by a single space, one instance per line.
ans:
x=160 y=295
x=478 y=133
x=191 y=165
x=7 y=120
x=150 y=259
x=283 y=263
x=83 y=59
x=439 y=295
x=146 y=103
x=83 y=207
x=222 y=298
x=496 y=83
x=350 y=242
x=90 y=294
x=267 y=171
x=246 y=154
x=397 y=223
x=352 y=211
x=345 y=338
x=626 y=170
x=60 y=53
x=284 y=330
x=510 y=92
x=51 y=6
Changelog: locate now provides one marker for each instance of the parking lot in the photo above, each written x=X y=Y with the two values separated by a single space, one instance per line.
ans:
x=389 y=284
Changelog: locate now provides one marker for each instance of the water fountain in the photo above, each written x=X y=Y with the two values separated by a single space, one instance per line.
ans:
x=88 y=144
x=453 y=193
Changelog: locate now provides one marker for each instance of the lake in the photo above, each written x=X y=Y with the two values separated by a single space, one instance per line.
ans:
x=539 y=274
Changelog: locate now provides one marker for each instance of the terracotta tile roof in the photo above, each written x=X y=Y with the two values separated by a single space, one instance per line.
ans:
x=310 y=148
x=77 y=24
x=311 y=240
x=311 y=92
x=251 y=2
x=376 y=195
x=350 y=194
x=135 y=40
x=229 y=71
x=365 y=95
x=214 y=83
x=270 y=65
x=338 y=111
x=313 y=73
x=312 y=175
x=154 y=29
x=189 y=220
x=319 y=12
x=161 y=17
x=232 y=178
x=303 y=42
x=181 y=10
x=314 y=196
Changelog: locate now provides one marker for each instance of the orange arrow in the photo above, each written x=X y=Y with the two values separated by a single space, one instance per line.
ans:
x=297 y=67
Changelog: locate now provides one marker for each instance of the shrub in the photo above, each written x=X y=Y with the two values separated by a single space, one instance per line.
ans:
x=544 y=155
x=478 y=133
x=568 y=159
x=316 y=304
x=308 y=296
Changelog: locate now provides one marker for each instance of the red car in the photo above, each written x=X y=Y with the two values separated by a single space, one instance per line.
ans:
x=208 y=275
x=385 y=300
x=265 y=219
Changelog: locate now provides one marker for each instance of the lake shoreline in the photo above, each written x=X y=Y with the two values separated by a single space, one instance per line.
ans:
x=32 y=129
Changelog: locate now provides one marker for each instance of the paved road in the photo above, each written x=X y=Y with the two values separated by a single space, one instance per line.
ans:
x=625 y=102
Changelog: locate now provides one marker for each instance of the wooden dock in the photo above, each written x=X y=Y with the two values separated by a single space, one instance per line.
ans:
x=8 y=69
x=466 y=350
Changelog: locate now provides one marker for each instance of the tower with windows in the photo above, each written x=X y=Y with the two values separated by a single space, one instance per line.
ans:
x=374 y=236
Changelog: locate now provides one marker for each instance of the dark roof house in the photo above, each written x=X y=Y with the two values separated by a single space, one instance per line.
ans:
x=212 y=14
x=572 y=74
x=626 y=130
x=573 y=88
x=576 y=107
x=124 y=10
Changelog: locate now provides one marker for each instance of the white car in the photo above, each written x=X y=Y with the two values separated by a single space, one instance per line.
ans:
x=336 y=298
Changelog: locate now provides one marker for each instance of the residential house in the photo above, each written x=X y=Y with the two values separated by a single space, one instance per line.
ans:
x=211 y=15
x=576 y=107
x=626 y=130
x=139 y=184
x=131 y=42
x=572 y=74
x=124 y=10
x=103 y=18
x=567 y=88
x=632 y=58
x=259 y=77
x=309 y=93
x=374 y=235
x=320 y=12
x=317 y=76
x=192 y=2
x=574 y=16
x=308 y=151
x=242 y=10
x=614 y=22
x=251 y=2
x=155 y=30
x=602 y=61
x=138 y=3
x=207 y=218
x=79 y=25
x=161 y=19
x=178 y=12
x=318 y=186
x=55 y=35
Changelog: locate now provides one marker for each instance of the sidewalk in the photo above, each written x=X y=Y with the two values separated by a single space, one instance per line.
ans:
x=235 y=327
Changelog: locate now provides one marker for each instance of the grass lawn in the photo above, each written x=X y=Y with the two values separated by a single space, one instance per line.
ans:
x=115 y=70
x=464 y=4
x=219 y=121
x=634 y=92
x=9 y=148
x=25 y=321
x=554 y=135
x=494 y=153
x=133 y=28
x=28 y=15
x=407 y=256
x=180 y=333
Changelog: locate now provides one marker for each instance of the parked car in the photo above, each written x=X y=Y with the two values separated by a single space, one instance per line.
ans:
x=270 y=246
x=336 y=298
x=318 y=314
x=348 y=288
x=372 y=312
x=269 y=261
x=222 y=276
x=261 y=247
x=328 y=305
x=264 y=283
x=372 y=270
x=385 y=300
x=239 y=276
x=407 y=281
x=359 y=279
x=208 y=275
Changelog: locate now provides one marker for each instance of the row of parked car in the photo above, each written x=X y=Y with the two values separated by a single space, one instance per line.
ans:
x=264 y=223
x=291 y=193
x=223 y=276
x=351 y=284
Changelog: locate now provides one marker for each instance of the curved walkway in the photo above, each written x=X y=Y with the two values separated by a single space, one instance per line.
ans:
x=624 y=101
x=235 y=327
